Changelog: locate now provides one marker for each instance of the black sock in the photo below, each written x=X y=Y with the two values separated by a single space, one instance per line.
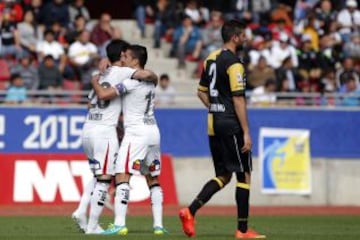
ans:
x=209 y=189
x=242 y=202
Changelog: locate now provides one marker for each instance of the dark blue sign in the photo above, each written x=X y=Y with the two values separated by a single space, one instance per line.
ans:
x=333 y=133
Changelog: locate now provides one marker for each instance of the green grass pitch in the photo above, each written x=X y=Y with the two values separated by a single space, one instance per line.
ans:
x=275 y=227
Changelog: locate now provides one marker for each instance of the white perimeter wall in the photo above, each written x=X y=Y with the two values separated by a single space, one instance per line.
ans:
x=334 y=182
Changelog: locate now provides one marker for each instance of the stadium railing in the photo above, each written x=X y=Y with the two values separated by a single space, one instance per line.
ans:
x=190 y=100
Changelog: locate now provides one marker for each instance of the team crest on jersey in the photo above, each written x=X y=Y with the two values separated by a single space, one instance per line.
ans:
x=241 y=80
x=154 y=166
x=136 y=165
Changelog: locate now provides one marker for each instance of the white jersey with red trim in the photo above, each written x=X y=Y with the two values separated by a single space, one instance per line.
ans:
x=106 y=112
x=138 y=110
x=139 y=152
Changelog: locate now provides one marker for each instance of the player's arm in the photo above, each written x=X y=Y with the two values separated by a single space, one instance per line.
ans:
x=241 y=112
x=204 y=97
x=102 y=93
x=126 y=86
x=203 y=88
x=237 y=86
x=145 y=75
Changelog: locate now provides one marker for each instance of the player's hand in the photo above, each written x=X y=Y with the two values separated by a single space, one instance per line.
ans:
x=247 y=143
x=104 y=64
x=95 y=78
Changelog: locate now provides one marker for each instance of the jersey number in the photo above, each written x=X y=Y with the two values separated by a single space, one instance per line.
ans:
x=150 y=96
x=102 y=104
x=212 y=74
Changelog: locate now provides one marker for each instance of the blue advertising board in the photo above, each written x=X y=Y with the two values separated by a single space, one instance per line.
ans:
x=334 y=133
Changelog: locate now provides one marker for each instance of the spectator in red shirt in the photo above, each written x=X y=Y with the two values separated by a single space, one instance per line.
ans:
x=103 y=31
x=15 y=9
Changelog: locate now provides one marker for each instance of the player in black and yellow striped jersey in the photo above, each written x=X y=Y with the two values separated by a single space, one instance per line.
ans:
x=222 y=90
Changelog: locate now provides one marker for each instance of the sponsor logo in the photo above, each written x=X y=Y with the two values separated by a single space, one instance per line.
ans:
x=38 y=179
x=154 y=166
x=58 y=177
x=136 y=165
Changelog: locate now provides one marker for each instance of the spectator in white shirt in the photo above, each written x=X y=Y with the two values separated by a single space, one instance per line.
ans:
x=82 y=55
x=49 y=46
x=260 y=49
x=164 y=92
x=192 y=10
x=264 y=95
x=349 y=20
x=282 y=50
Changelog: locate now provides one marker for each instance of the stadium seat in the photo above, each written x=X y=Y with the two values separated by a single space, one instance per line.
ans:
x=69 y=85
x=4 y=70
x=3 y=85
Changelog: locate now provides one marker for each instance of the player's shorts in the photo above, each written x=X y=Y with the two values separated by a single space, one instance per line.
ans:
x=101 y=146
x=138 y=158
x=227 y=156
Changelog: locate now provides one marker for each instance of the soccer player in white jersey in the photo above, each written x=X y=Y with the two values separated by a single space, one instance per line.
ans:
x=99 y=137
x=140 y=149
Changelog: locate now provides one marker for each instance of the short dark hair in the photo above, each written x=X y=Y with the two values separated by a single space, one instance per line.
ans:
x=231 y=28
x=14 y=76
x=140 y=53
x=114 y=49
x=78 y=16
x=49 y=31
x=270 y=82
x=48 y=57
x=164 y=76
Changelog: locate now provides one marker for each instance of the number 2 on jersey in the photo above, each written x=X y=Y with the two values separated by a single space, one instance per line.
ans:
x=212 y=74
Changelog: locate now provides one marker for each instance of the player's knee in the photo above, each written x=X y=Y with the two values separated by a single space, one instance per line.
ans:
x=154 y=185
x=122 y=177
x=225 y=179
x=103 y=180
x=152 y=181
x=243 y=177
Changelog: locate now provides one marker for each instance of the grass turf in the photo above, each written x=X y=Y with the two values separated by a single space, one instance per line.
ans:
x=275 y=227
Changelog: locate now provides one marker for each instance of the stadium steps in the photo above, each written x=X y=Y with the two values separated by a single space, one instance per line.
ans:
x=159 y=62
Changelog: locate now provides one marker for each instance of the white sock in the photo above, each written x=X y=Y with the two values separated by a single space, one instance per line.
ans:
x=97 y=204
x=157 y=197
x=85 y=197
x=121 y=203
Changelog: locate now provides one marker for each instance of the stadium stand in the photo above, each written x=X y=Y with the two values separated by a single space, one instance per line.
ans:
x=318 y=36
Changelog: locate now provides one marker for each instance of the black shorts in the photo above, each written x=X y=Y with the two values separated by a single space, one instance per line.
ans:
x=227 y=156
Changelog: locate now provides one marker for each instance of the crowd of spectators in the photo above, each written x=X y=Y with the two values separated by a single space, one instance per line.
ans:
x=50 y=45
x=312 y=46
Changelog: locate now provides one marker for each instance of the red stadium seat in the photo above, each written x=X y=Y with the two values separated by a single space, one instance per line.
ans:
x=69 y=85
x=4 y=85
x=4 y=70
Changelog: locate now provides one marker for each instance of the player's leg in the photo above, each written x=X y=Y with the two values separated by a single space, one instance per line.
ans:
x=79 y=215
x=105 y=150
x=242 y=203
x=242 y=194
x=157 y=199
x=152 y=171
x=222 y=178
x=127 y=163
x=241 y=163
x=122 y=194
x=97 y=202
